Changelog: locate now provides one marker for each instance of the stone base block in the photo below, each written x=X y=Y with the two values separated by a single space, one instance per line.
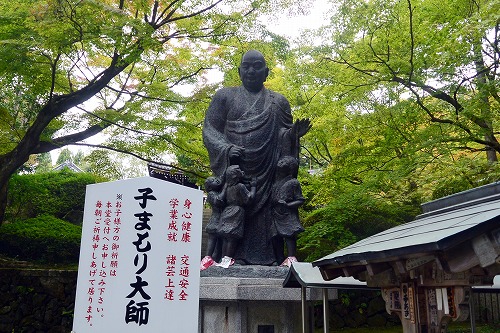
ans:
x=250 y=299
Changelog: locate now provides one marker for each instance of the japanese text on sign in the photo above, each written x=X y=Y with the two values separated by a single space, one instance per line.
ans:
x=102 y=266
x=137 y=310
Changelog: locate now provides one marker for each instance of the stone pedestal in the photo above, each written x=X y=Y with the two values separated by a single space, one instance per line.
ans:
x=250 y=299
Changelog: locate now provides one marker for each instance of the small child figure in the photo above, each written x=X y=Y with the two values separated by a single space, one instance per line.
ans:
x=215 y=197
x=287 y=197
x=232 y=218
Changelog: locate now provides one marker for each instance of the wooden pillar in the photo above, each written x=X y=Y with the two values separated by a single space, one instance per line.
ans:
x=472 y=315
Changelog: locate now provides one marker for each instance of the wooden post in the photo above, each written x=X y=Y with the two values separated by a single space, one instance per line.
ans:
x=326 y=312
x=305 y=317
x=472 y=314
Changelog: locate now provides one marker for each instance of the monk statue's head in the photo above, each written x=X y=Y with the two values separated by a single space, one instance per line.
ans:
x=253 y=70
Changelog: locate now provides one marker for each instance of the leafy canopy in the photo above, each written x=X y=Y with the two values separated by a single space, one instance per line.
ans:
x=403 y=97
x=72 y=69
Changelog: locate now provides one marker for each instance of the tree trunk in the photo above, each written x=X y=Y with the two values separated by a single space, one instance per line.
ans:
x=483 y=100
x=8 y=167
x=56 y=106
x=3 y=198
x=491 y=155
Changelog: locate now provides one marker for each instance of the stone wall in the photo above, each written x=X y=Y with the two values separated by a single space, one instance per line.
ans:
x=36 y=301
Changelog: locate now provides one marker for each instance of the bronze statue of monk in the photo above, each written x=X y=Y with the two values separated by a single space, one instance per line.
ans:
x=247 y=126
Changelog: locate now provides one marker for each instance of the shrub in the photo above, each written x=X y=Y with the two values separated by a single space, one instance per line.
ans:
x=44 y=238
x=61 y=194
x=347 y=219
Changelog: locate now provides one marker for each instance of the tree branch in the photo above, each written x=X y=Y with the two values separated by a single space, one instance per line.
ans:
x=71 y=139
x=169 y=19
x=433 y=92
x=412 y=41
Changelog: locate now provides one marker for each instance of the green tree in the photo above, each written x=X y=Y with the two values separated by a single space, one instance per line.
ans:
x=113 y=166
x=44 y=162
x=442 y=56
x=78 y=158
x=72 y=69
x=400 y=91
x=404 y=103
x=36 y=163
x=64 y=155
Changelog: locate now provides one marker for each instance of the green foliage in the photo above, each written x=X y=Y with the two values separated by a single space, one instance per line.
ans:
x=437 y=59
x=44 y=238
x=44 y=162
x=464 y=327
x=64 y=155
x=458 y=175
x=345 y=299
x=113 y=166
x=449 y=186
x=323 y=238
x=60 y=194
x=70 y=70
x=348 y=218
x=403 y=99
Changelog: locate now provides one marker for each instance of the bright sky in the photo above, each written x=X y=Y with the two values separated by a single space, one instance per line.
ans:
x=291 y=26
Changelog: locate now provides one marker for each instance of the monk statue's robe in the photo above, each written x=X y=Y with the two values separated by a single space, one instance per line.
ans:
x=254 y=121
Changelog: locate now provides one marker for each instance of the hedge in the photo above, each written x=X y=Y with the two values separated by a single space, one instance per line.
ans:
x=60 y=194
x=45 y=238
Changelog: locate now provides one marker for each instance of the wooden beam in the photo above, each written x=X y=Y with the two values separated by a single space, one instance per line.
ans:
x=485 y=250
x=374 y=269
x=353 y=270
x=399 y=267
x=460 y=258
x=330 y=272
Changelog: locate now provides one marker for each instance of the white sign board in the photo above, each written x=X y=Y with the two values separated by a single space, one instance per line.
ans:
x=139 y=258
